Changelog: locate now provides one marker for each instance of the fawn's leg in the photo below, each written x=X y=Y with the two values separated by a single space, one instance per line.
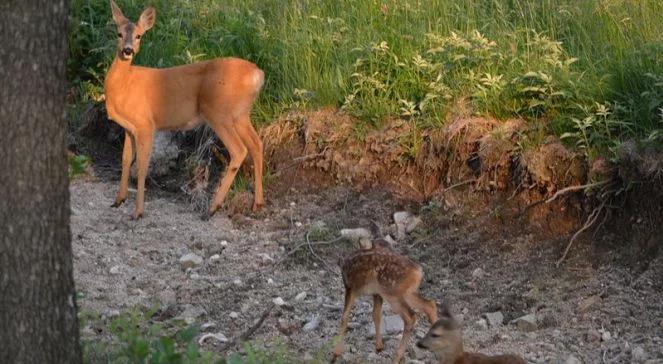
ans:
x=254 y=145
x=350 y=299
x=377 y=319
x=399 y=305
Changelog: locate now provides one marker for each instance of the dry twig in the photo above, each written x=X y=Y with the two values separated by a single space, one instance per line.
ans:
x=591 y=219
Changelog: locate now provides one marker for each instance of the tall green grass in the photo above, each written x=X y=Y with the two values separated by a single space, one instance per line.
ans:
x=593 y=69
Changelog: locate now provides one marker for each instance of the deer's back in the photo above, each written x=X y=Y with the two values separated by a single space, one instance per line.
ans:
x=373 y=270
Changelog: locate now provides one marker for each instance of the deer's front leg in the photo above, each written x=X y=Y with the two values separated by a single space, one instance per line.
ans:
x=143 y=152
x=127 y=159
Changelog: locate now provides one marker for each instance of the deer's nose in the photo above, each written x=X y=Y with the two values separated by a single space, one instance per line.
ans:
x=420 y=345
x=128 y=51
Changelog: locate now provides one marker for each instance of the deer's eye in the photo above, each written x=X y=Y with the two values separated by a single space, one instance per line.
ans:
x=138 y=37
x=119 y=35
x=435 y=335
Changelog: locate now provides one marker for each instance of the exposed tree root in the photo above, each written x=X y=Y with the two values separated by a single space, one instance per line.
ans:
x=559 y=193
x=591 y=219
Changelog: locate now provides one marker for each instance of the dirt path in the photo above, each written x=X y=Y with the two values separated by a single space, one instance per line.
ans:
x=121 y=264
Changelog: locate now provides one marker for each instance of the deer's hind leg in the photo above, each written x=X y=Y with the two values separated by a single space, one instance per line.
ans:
x=350 y=298
x=225 y=130
x=254 y=145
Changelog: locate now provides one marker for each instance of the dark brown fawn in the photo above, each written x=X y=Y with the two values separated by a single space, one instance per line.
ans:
x=380 y=272
x=218 y=92
x=446 y=340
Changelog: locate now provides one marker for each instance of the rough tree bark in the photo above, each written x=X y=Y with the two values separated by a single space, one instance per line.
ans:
x=38 y=322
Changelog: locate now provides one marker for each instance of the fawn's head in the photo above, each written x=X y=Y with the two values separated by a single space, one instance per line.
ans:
x=128 y=33
x=444 y=337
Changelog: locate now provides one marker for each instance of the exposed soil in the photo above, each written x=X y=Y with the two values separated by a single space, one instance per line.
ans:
x=475 y=261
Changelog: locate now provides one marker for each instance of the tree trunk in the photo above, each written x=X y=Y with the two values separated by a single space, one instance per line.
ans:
x=38 y=322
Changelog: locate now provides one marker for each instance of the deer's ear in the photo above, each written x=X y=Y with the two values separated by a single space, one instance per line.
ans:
x=147 y=18
x=118 y=17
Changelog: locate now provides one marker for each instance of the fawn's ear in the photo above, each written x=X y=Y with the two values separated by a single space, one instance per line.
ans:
x=447 y=319
x=118 y=17
x=445 y=310
x=147 y=18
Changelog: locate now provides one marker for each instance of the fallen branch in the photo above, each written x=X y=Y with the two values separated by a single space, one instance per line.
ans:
x=250 y=331
x=310 y=248
x=591 y=219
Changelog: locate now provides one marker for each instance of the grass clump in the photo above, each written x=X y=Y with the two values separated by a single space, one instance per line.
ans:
x=562 y=61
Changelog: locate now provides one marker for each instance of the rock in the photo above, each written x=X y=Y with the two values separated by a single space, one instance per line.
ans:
x=391 y=324
x=405 y=223
x=278 y=301
x=237 y=282
x=526 y=323
x=115 y=270
x=110 y=313
x=301 y=296
x=233 y=315
x=218 y=337
x=214 y=258
x=593 y=336
x=190 y=260
x=414 y=361
x=207 y=325
x=478 y=273
x=224 y=243
x=167 y=297
x=191 y=313
x=419 y=353
x=495 y=319
x=638 y=355
x=482 y=324
x=572 y=359
x=355 y=235
x=266 y=258
x=588 y=302
x=605 y=335
x=312 y=324
x=389 y=240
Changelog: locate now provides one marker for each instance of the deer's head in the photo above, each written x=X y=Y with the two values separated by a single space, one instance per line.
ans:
x=128 y=33
x=444 y=337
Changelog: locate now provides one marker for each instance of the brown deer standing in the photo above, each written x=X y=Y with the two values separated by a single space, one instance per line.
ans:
x=446 y=340
x=219 y=92
x=384 y=274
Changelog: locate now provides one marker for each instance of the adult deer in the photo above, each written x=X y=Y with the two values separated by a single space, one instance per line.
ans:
x=219 y=92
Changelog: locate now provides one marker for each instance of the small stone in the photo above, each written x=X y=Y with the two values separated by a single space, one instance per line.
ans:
x=190 y=260
x=300 y=296
x=605 y=335
x=526 y=323
x=207 y=325
x=389 y=240
x=482 y=324
x=419 y=353
x=278 y=301
x=233 y=315
x=293 y=204
x=214 y=258
x=194 y=276
x=405 y=223
x=495 y=319
x=312 y=324
x=110 y=313
x=391 y=324
x=270 y=281
x=478 y=273
x=572 y=359
x=298 y=224
x=218 y=337
x=224 y=243
x=638 y=354
x=237 y=282
x=167 y=297
x=266 y=258
x=355 y=235
x=413 y=361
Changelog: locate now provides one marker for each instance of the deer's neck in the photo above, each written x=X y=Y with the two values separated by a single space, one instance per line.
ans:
x=117 y=74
